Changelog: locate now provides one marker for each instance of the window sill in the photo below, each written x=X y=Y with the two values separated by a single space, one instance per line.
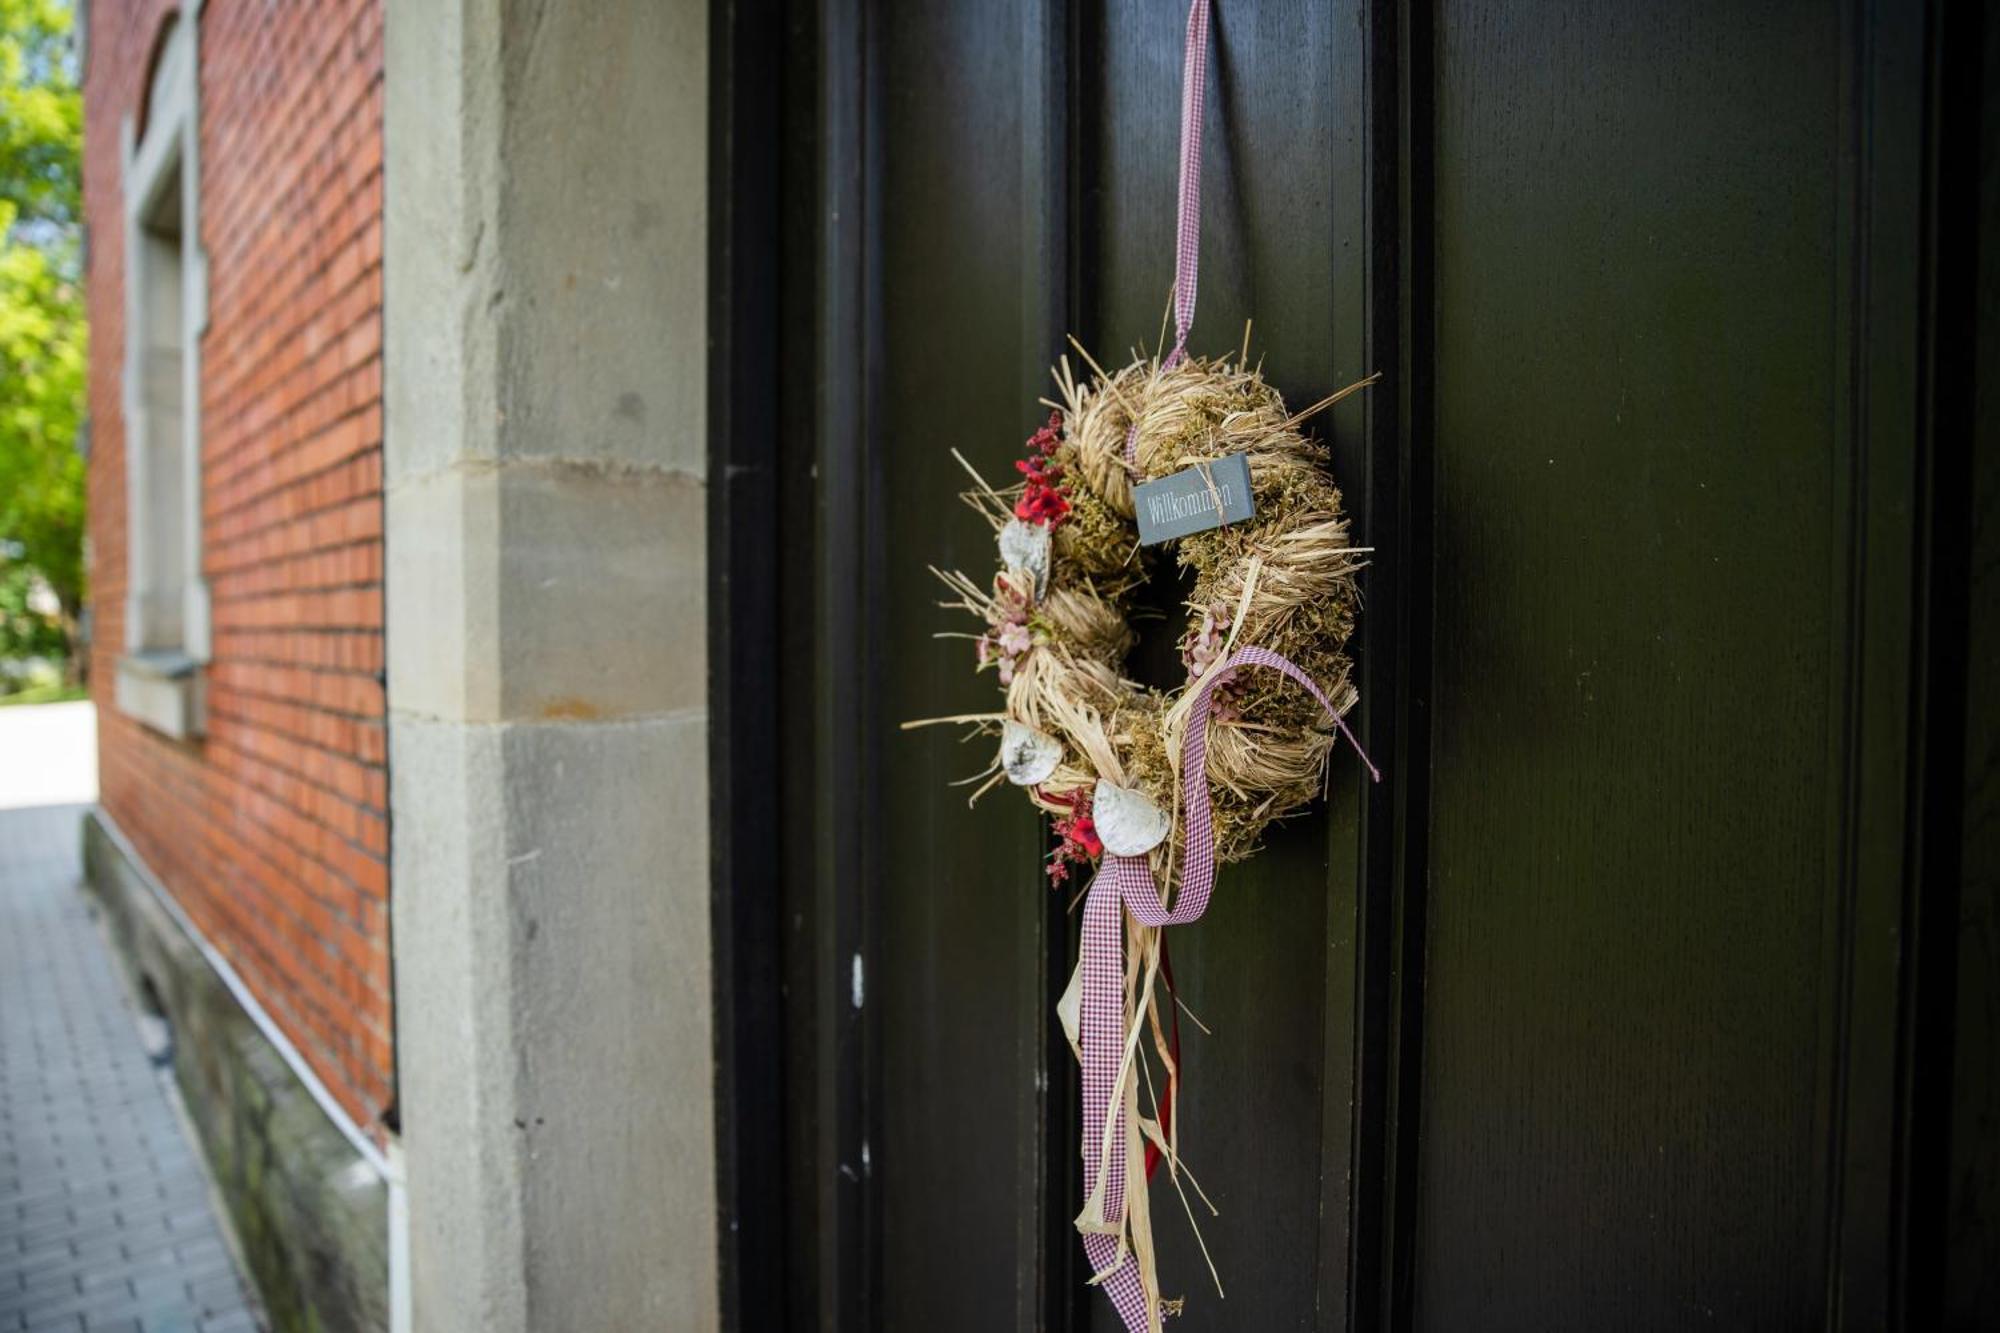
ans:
x=164 y=689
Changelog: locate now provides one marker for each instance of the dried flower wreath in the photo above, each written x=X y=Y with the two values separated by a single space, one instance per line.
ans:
x=1057 y=618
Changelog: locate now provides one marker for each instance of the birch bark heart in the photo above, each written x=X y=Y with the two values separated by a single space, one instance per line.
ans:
x=1027 y=755
x=1128 y=822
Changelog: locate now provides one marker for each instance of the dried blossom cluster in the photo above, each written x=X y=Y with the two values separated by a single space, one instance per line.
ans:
x=1079 y=845
x=1010 y=631
x=1201 y=651
x=1043 y=499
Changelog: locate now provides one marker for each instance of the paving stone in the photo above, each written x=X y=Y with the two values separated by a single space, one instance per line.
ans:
x=49 y=1252
x=105 y=1220
x=68 y=1323
x=53 y=1307
x=229 y=1323
x=37 y=1287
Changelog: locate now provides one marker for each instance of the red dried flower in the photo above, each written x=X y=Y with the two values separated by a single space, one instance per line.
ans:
x=1080 y=845
x=1083 y=833
x=1042 y=500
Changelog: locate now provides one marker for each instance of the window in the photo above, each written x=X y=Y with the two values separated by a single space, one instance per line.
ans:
x=166 y=299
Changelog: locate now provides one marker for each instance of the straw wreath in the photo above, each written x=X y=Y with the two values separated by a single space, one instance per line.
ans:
x=1056 y=617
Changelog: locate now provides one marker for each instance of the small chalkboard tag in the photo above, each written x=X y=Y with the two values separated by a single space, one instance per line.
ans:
x=1194 y=499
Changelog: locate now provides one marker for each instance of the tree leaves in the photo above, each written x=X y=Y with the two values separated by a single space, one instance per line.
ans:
x=43 y=335
x=41 y=115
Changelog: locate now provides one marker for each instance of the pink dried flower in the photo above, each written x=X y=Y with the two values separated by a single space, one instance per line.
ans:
x=1009 y=636
x=1202 y=653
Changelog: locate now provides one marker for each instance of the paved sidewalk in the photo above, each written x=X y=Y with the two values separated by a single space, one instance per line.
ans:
x=105 y=1219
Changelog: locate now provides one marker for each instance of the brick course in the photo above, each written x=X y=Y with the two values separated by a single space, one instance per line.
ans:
x=272 y=831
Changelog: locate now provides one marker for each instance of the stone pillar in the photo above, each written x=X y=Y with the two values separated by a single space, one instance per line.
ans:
x=545 y=283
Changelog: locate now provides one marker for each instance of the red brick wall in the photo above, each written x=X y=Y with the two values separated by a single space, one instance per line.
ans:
x=271 y=831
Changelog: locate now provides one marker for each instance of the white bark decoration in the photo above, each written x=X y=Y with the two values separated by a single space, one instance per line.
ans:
x=1025 y=546
x=1029 y=756
x=1070 y=1008
x=1128 y=822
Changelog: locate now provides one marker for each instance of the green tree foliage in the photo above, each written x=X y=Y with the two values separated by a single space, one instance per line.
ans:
x=42 y=328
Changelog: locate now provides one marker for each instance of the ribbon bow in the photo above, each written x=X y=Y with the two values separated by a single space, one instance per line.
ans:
x=1109 y=1046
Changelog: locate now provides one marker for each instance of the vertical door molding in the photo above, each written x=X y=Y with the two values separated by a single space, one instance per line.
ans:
x=746 y=490
x=1877 y=854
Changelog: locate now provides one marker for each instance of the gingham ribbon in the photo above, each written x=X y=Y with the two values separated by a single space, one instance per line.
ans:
x=1187 y=229
x=1187 y=235
x=1127 y=882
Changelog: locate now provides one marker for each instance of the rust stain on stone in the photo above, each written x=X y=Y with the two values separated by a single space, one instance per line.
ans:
x=570 y=709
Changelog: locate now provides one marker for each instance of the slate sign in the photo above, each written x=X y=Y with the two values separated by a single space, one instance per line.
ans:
x=1194 y=499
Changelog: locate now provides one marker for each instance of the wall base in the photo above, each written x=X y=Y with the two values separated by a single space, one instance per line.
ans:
x=312 y=1212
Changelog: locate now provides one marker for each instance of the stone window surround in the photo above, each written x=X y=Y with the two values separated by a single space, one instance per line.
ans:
x=163 y=686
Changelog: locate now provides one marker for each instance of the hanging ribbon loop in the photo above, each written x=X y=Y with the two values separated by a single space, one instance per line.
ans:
x=1187 y=232
x=1187 y=220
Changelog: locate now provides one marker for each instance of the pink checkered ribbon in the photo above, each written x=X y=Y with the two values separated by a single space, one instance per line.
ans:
x=1126 y=882
x=1187 y=230
x=1187 y=236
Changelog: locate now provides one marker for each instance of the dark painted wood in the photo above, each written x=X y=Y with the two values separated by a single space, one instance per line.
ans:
x=1388 y=1191
x=744 y=743
x=1966 y=1210
x=1366 y=822
x=827 y=719
x=1676 y=295
x=1948 y=335
x=1049 y=1265
x=847 y=845
x=1882 y=762
x=969 y=304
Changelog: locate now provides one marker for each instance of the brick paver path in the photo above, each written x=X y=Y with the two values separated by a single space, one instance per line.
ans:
x=105 y=1220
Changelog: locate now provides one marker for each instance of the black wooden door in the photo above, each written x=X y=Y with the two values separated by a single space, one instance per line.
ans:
x=1607 y=1008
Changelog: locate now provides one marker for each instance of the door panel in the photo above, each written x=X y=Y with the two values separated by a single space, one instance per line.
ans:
x=1646 y=624
x=968 y=932
x=1255 y=968
x=970 y=938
